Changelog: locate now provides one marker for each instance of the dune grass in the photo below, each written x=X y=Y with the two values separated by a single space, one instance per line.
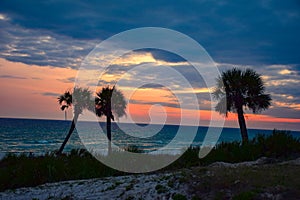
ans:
x=23 y=170
x=279 y=145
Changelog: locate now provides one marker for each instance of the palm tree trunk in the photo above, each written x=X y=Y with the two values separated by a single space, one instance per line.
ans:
x=65 y=115
x=108 y=129
x=68 y=136
x=242 y=124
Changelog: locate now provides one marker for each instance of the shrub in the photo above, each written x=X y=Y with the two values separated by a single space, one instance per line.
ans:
x=27 y=170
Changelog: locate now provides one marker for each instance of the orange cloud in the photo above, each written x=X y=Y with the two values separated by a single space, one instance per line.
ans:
x=30 y=91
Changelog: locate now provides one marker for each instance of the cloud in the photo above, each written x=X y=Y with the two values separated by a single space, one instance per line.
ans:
x=285 y=72
x=52 y=94
x=41 y=47
x=167 y=104
x=67 y=80
x=262 y=35
x=294 y=106
x=152 y=85
x=165 y=56
x=3 y=17
x=12 y=77
x=248 y=33
x=36 y=78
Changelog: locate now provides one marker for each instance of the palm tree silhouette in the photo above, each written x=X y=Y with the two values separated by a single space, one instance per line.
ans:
x=236 y=90
x=111 y=103
x=80 y=100
x=65 y=101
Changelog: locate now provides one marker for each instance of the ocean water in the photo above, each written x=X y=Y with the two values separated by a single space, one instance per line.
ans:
x=42 y=136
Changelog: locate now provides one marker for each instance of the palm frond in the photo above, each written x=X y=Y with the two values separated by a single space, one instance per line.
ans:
x=110 y=102
x=80 y=99
x=242 y=89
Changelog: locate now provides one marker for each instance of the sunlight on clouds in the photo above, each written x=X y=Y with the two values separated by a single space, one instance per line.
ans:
x=45 y=39
x=16 y=54
x=285 y=72
x=266 y=77
x=283 y=96
x=41 y=53
x=282 y=82
x=289 y=97
x=3 y=17
x=77 y=48
x=110 y=77
x=171 y=64
x=288 y=105
x=191 y=90
x=134 y=59
x=156 y=95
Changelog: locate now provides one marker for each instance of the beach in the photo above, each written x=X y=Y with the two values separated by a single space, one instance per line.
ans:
x=220 y=179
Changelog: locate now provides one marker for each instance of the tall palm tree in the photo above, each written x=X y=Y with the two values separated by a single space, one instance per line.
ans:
x=80 y=100
x=111 y=103
x=236 y=90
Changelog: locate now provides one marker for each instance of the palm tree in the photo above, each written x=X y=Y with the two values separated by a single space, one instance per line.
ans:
x=65 y=101
x=111 y=103
x=236 y=90
x=80 y=100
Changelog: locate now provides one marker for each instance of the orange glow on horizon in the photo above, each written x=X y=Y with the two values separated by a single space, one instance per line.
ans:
x=31 y=91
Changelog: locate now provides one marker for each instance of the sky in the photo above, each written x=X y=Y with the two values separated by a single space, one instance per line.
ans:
x=43 y=44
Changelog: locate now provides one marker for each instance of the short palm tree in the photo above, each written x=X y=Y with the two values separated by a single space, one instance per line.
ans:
x=65 y=101
x=80 y=100
x=236 y=90
x=111 y=103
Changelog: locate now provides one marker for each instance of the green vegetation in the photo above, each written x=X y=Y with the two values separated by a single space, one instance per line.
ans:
x=133 y=149
x=179 y=197
x=23 y=170
x=160 y=189
x=279 y=145
x=246 y=182
x=248 y=195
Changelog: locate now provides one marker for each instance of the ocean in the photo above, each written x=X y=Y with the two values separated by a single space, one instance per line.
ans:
x=42 y=136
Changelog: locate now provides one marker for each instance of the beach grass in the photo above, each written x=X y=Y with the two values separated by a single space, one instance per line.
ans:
x=25 y=170
x=244 y=182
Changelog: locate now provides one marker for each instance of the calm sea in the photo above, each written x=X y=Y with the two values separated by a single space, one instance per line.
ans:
x=41 y=136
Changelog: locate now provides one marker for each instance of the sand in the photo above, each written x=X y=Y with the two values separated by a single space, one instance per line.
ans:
x=152 y=186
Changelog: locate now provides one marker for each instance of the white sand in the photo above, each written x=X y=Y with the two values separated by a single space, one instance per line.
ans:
x=122 y=187
x=149 y=186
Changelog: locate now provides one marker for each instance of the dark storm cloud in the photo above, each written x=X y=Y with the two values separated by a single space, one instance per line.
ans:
x=41 y=47
x=251 y=32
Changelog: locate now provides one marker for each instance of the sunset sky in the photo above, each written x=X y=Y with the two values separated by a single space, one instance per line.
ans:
x=43 y=43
